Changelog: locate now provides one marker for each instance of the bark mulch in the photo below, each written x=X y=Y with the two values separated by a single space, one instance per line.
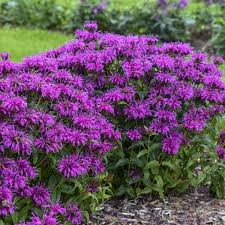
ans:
x=190 y=208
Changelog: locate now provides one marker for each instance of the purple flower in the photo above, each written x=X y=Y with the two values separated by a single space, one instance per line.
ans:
x=118 y=79
x=221 y=152
x=25 y=169
x=139 y=110
x=74 y=165
x=27 y=118
x=97 y=165
x=40 y=196
x=56 y=209
x=100 y=7
x=14 y=181
x=73 y=214
x=17 y=141
x=171 y=143
x=67 y=108
x=6 y=202
x=92 y=187
x=209 y=2
x=182 y=4
x=221 y=140
x=195 y=119
x=50 y=91
x=14 y=104
x=218 y=60
x=162 y=3
x=165 y=78
x=135 y=174
x=48 y=145
x=4 y=56
x=91 y=26
x=45 y=220
x=103 y=106
x=134 y=135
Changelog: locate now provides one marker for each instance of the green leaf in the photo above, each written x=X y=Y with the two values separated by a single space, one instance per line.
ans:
x=121 y=190
x=55 y=196
x=23 y=213
x=146 y=176
x=169 y=164
x=121 y=162
x=154 y=166
x=35 y=156
x=146 y=190
x=137 y=144
x=86 y=215
x=122 y=103
x=183 y=186
x=143 y=152
x=130 y=191
x=201 y=178
x=159 y=181
x=137 y=162
x=15 y=218
x=52 y=182
x=65 y=188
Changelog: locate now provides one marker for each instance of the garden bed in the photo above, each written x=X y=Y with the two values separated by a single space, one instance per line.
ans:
x=193 y=207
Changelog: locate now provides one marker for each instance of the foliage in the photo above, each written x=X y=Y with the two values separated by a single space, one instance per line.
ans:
x=218 y=35
x=44 y=14
x=142 y=19
x=206 y=26
x=143 y=168
x=93 y=10
x=202 y=26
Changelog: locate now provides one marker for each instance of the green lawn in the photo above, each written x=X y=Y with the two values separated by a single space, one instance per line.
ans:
x=20 y=42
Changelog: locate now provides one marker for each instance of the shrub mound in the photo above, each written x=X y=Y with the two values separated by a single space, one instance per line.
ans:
x=59 y=110
x=51 y=130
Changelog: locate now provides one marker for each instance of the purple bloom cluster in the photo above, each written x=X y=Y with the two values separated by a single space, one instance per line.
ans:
x=170 y=89
x=71 y=213
x=14 y=177
x=63 y=102
x=47 y=106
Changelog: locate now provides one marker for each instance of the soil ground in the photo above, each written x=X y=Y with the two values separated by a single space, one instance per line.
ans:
x=190 y=208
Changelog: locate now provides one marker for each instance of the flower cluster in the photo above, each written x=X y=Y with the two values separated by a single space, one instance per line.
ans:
x=169 y=90
x=48 y=108
x=63 y=103
x=71 y=213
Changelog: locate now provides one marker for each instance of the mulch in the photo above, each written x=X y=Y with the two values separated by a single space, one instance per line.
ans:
x=190 y=208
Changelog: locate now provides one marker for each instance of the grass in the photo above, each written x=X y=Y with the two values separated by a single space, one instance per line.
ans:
x=20 y=42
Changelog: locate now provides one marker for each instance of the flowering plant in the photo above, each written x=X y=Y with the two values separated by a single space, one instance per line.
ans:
x=62 y=111
x=163 y=98
x=53 y=137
